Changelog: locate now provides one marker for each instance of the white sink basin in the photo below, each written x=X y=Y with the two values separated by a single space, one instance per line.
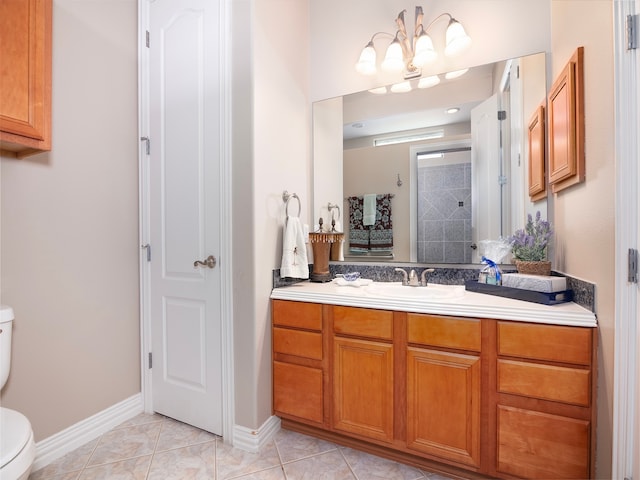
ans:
x=430 y=292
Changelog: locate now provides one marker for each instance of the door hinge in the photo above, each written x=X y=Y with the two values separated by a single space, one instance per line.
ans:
x=150 y=360
x=147 y=140
x=502 y=180
x=632 y=32
x=633 y=265
x=147 y=247
x=147 y=38
x=502 y=114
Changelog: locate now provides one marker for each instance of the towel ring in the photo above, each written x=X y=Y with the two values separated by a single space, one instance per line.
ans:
x=331 y=206
x=286 y=196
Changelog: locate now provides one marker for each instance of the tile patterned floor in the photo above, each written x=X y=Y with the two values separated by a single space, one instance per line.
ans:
x=153 y=447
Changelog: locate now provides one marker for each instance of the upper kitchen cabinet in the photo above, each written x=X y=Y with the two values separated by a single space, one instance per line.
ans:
x=25 y=76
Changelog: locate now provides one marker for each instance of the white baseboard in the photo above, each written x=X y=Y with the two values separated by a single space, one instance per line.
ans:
x=251 y=440
x=61 y=443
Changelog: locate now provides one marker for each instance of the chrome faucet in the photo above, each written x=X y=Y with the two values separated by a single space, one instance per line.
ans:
x=411 y=279
x=423 y=277
x=405 y=279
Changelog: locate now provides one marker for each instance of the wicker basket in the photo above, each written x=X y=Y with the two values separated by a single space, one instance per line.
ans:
x=533 y=268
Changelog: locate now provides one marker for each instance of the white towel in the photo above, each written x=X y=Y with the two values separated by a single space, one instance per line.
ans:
x=294 y=251
x=369 y=209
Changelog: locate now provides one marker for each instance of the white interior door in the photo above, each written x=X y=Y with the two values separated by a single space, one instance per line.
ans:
x=184 y=199
x=485 y=172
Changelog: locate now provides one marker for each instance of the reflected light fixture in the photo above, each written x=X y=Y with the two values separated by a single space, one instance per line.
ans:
x=409 y=55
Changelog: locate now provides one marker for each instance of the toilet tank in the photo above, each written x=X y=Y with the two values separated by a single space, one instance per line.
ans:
x=6 y=324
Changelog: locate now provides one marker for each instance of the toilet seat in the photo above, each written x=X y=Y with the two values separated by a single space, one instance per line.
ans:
x=17 y=446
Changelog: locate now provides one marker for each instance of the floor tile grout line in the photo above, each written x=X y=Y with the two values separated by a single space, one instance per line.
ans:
x=355 y=476
x=311 y=455
x=155 y=447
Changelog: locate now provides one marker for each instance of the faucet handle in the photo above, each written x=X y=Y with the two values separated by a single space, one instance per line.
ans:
x=405 y=279
x=423 y=277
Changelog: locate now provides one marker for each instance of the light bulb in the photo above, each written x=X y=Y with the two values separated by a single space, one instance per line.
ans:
x=457 y=39
x=425 y=52
x=393 y=61
x=367 y=62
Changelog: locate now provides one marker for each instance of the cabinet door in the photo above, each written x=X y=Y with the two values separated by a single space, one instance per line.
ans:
x=443 y=405
x=297 y=391
x=363 y=388
x=25 y=63
x=539 y=445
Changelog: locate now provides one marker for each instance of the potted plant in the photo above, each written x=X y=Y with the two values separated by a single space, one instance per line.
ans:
x=529 y=246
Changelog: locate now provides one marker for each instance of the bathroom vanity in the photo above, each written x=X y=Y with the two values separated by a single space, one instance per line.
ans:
x=451 y=381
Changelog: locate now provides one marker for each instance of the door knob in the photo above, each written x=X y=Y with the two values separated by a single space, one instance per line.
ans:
x=210 y=262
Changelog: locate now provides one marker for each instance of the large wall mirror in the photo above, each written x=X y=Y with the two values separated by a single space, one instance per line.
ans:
x=453 y=158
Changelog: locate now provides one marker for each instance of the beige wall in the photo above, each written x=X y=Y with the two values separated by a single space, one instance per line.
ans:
x=70 y=228
x=271 y=130
x=584 y=215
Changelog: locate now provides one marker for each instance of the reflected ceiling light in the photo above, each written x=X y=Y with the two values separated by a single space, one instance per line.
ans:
x=428 y=82
x=452 y=110
x=401 y=87
x=409 y=55
x=455 y=74
x=380 y=142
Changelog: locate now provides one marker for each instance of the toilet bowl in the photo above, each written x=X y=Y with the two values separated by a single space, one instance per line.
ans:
x=17 y=446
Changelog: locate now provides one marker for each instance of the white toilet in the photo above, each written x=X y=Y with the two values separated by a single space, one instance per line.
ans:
x=17 y=447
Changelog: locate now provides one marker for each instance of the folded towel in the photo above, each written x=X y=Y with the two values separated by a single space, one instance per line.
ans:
x=369 y=209
x=294 y=251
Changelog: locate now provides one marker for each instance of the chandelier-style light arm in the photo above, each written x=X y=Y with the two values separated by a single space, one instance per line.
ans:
x=409 y=54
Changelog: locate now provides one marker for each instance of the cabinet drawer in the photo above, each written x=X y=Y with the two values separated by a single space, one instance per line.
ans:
x=547 y=382
x=297 y=391
x=297 y=314
x=447 y=332
x=363 y=322
x=545 y=342
x=297 y=342
x=538 y=445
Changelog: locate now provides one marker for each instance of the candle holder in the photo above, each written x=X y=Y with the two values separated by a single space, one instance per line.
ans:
x=321 y=244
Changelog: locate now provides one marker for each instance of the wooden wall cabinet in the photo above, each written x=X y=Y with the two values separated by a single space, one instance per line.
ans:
x=25 y=77
x=566 y=125
x=537 y=148
x=473 y=398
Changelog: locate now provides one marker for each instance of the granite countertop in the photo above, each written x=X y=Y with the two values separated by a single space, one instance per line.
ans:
x=462 y=303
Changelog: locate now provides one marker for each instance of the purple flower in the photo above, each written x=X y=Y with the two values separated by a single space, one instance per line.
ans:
x=530 y=243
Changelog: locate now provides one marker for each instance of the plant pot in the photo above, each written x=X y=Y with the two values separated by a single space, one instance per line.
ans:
x=533 y=268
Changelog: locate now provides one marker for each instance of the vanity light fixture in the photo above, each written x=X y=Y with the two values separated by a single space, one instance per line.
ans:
x=410 y=55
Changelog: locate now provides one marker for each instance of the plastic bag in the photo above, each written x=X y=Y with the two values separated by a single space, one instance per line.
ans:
x=493 y=252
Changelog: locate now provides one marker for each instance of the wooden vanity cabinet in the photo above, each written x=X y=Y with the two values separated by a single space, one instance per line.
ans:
x=545 y=397
x=299 y=362
x=461 y=396
x=443 y=387
x=363 y=372
x=25 y=76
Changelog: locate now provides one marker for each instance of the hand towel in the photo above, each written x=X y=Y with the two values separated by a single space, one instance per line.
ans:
x=294 y=251
x=358 y=233
x=369 y=209
x=381 y=234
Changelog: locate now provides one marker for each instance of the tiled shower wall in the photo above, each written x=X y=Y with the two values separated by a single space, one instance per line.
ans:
x=444 y=213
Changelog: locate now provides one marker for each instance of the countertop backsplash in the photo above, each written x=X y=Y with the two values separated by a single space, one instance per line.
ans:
x=583 y=292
